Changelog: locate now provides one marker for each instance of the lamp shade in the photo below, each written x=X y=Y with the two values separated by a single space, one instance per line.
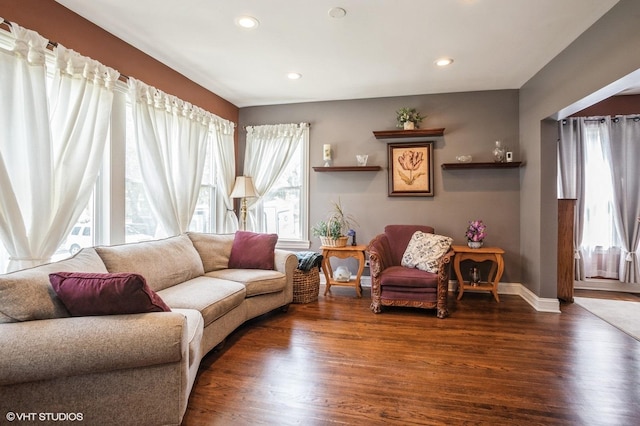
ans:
x=243 y=187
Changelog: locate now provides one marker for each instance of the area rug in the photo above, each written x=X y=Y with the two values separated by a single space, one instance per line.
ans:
x=621 y=314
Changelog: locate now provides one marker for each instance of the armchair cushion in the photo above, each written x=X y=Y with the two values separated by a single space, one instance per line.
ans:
x=425 y=250
x=399 y=276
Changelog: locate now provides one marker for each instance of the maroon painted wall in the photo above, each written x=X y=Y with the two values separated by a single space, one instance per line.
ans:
x=615 y=105
x=57 y=23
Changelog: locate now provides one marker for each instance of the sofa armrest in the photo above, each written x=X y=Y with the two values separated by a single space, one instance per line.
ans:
x=286 y=262
x=45 y=349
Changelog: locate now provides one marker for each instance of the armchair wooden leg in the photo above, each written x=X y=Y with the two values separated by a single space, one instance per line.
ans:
x=376 y=308
x=443 y=312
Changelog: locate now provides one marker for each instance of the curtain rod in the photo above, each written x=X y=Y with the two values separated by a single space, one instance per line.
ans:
x=602 y=120
x=52 y=44
x=256 y=125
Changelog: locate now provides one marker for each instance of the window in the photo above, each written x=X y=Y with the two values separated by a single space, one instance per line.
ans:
x=139 y=220
x=283 y=210
x=600 y=246
x=203 y=219
x=81 y=235
x=140 y=223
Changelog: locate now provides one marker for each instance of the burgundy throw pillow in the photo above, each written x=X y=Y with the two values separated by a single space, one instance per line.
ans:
x=86 y=294
x=252 y=251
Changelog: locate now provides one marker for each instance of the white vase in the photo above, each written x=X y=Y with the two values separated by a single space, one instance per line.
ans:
x=474 y=244
x=409 y=125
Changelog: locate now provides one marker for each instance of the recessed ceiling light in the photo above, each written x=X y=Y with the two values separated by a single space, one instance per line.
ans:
x=294 y=75
x=248 y=22
x=337 y=12
x=443 y=62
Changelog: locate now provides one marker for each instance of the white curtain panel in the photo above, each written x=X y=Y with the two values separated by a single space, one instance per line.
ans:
x=625 y=154
x=171 y=137
x=571 y=181
x=268 y=150
x=52 y=146
x=225 y=165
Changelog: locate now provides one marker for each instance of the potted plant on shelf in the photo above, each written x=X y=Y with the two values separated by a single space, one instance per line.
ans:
x=408 y=118
x=333 y=230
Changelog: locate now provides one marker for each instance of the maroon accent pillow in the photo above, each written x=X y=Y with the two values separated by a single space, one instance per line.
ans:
x=86 y=294
x=252 y=251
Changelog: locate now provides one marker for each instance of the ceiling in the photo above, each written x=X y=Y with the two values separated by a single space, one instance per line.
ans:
x=379 y=48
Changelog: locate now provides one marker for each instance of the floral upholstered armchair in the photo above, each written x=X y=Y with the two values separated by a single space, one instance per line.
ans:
x=393 y=284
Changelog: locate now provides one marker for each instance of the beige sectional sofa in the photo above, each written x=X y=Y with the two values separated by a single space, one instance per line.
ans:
x=135 y=369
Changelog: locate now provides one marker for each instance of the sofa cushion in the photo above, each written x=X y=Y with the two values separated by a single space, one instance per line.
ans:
x=86 y=294
x=425 y=250
x=27 y=295
x=257 y=281
x=162 y=263
x=251 y=250
x=214 y=249
x=211 y=296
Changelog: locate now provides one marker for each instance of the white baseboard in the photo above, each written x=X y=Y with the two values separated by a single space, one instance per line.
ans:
x=540 y=304
x=607 y=285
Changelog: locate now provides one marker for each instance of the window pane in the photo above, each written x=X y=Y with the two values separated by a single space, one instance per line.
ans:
x=139 y=221
x=81 y=235
x=203 y=219
x=282 y=205
x=203 y=216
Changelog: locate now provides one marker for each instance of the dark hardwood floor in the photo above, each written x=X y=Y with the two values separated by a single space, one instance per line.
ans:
x=334 y=362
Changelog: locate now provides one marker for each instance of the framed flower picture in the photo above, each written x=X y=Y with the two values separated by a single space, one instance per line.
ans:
x=410 y=169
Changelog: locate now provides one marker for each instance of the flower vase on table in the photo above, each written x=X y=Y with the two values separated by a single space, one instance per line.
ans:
x=476 y=233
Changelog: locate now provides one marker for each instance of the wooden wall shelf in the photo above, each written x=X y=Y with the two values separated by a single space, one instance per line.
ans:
x=401 y=134
x=511 y=165
x=347 y=168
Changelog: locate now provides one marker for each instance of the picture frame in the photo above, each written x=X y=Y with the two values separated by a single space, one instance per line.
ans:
x=410 y=168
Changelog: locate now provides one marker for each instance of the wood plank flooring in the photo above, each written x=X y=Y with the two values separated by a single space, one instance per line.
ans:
x=333 y=362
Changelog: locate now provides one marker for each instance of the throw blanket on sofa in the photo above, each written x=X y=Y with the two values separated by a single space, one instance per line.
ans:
x=308 y=259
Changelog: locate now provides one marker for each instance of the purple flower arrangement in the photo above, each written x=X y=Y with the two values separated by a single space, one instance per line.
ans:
x=476 y=231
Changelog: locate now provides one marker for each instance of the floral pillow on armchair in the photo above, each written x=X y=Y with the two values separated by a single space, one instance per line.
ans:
x=425 y=250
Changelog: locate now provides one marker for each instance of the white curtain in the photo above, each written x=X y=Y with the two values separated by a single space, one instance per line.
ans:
x=268 y=150
x=171 y=137
x=225 y=164
x=571 y=181
x=52 y=145
x=625 y=155
x=598 y=164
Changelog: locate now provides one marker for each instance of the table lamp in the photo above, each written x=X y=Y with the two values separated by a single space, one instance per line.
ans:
x=243 y=188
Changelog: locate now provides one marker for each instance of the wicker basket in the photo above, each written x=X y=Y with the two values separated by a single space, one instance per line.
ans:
x=330 y=242
x=306 y=285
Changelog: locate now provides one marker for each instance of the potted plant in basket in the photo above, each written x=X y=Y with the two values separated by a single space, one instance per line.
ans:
x=408 y=118
x=333 y=230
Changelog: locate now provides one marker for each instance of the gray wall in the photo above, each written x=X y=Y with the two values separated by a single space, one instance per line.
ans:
x=472 y=121
x=519 y=206
x=605 y=53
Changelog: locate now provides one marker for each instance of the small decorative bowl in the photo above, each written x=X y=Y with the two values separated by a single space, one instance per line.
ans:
x=464 y=158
